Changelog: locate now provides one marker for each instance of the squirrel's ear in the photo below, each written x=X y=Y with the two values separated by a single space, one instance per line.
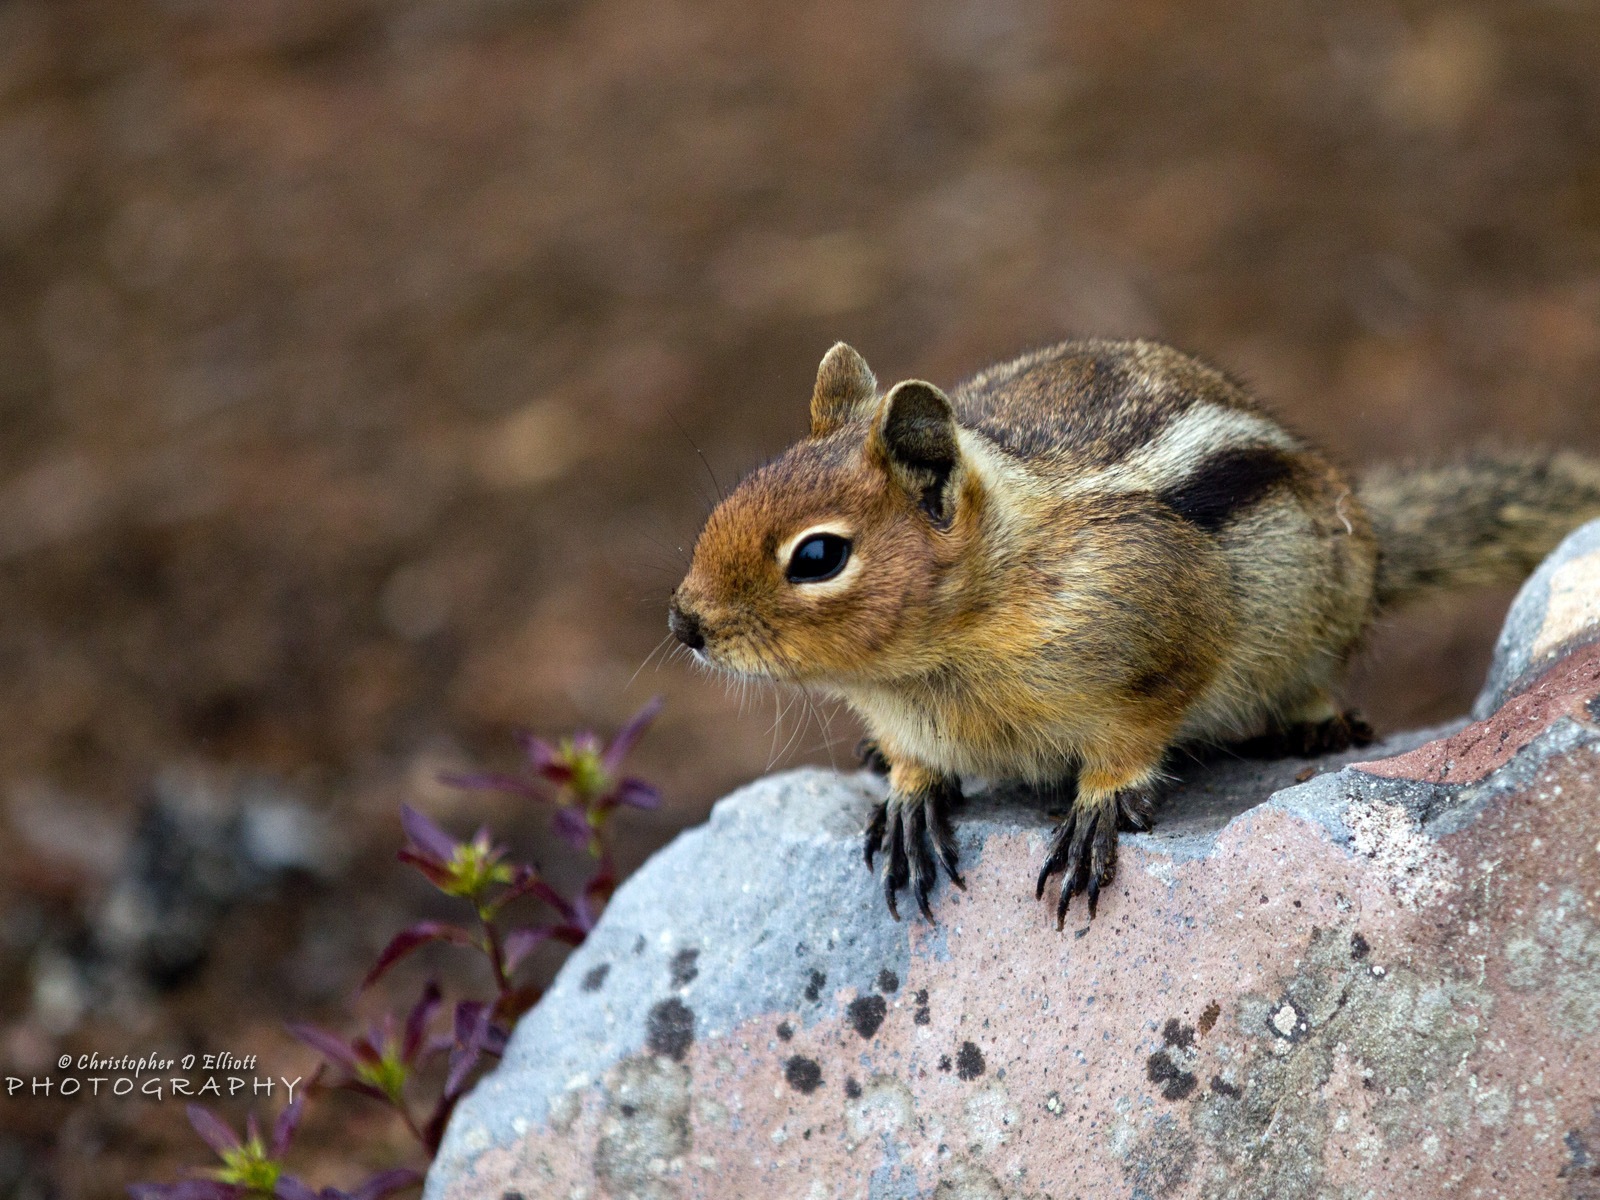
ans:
x=917 y=433
x=845 y=388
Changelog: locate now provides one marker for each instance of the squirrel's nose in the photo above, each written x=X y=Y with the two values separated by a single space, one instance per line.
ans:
x=685 y=626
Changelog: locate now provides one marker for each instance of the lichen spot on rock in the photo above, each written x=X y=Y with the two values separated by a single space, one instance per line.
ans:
x=803 y=1074
x=969 y=1061
x=866 y=1014
x=669 y=1029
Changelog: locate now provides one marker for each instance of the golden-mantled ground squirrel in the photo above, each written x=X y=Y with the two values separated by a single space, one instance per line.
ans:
x=1074 y=563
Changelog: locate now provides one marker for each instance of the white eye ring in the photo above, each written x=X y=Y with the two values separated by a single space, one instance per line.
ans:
x=825 y=584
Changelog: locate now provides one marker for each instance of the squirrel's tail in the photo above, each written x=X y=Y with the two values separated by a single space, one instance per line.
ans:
x=1486 y=519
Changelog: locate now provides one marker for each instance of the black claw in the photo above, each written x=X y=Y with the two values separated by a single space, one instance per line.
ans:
x=1102 y=859
x=1061 y=904
x=1056 y=860
x=915 y=837
x=947 y=856
x=895 y=870
x=1083 y=850
x=944 y=842
x=922 y=900
x=1135 y=812
x=1052 y=864
x=917 y=855
x=1079 y=862
x=875 y=828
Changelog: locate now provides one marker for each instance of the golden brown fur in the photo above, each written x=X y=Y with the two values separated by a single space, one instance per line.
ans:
x=1071 y=564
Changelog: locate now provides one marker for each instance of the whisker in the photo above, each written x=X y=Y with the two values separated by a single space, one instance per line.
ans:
x=800 y=728
x=672 y=550
x=824 y=725
x=658 y=648
x=777 y=725
x=704 y=461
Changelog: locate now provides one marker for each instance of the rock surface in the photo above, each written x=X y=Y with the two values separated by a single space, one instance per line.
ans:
x=1381 y=982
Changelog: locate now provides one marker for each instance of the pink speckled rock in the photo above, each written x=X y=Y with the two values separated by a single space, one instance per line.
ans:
x=1384 y=982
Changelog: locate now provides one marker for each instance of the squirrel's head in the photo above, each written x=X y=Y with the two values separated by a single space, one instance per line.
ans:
x=821 y=565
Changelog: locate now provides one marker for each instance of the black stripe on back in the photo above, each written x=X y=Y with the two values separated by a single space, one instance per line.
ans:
x=1226 y=484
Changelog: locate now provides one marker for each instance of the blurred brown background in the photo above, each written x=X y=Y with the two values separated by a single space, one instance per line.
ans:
x=354 y=355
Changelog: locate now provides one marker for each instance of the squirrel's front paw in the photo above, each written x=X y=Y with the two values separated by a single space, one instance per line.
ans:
x=908 y=830
x=1084 y=847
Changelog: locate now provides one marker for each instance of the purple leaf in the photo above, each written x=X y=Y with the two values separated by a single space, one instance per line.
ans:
x=462 y=1060
x=495 y=1040
x=590 y=905
x=381 y=1035
x=573 y=828
x=522 y=942
x=476 y=1035
x=636 y=793
x=555 y=900
x=367 y=1049
x=283 y=1129
x=330 y=1046
x=544 y=758
x=469 y=1015
x=417 y=1020
x=558 y=773
x=472 y=1026
x=212 y=1131
x=437 y=873
x=425 y=835
x=408 y=940
x=630 y=734
x=187 y=1189
x=525 y=882
x=572 y=935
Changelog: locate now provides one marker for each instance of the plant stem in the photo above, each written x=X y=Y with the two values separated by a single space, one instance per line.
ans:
x=497 y=957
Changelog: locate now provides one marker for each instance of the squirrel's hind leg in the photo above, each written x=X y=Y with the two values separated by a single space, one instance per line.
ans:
x=909 y=829
x=1317 y=728
x=871 y=757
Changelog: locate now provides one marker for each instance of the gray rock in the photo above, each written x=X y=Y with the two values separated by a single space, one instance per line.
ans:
x=1384 y=981
x=1516 y=657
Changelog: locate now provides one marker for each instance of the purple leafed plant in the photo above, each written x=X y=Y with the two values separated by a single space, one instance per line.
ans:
x=251 y=1168
x=588 y=776
x=583 y=778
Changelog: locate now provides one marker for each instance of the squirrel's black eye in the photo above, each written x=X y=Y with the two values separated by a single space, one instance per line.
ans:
x=821 y=556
